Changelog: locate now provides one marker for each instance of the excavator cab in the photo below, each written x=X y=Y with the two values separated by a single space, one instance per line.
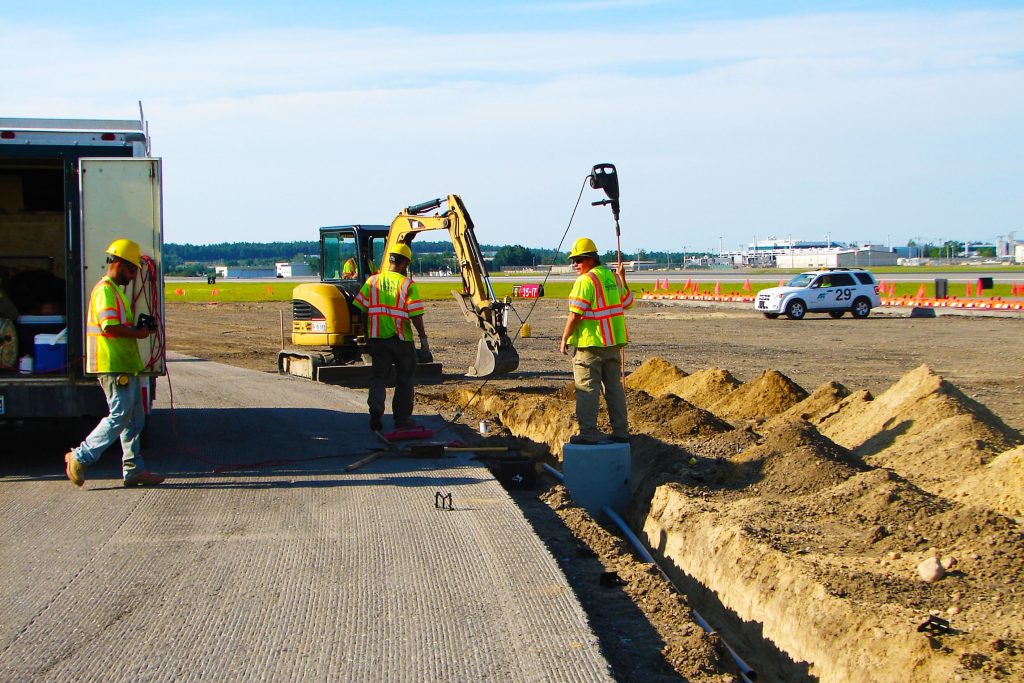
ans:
x=322 y=312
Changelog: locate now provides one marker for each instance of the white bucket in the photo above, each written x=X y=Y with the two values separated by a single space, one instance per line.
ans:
x=485 y=427
x=25 y=365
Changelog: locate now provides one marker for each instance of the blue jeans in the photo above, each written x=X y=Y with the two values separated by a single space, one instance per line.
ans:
x=125 y=421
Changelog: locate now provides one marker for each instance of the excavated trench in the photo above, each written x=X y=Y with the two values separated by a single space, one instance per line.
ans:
x=820 y=531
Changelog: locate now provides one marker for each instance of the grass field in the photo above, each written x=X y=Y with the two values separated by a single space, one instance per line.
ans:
x=233 y=292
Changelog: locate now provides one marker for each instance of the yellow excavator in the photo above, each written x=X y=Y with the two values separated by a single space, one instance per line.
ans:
x=323 y=315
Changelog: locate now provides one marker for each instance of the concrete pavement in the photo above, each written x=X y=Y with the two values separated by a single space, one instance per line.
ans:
x=295 y=571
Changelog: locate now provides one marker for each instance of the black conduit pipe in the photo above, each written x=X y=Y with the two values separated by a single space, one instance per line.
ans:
x=746 y=672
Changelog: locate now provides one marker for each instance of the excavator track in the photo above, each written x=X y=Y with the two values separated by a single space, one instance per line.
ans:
x=354 y=375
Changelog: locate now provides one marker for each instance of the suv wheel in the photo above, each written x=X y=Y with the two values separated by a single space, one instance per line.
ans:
x=861 y=307
x=836 y=314
x=796 y=310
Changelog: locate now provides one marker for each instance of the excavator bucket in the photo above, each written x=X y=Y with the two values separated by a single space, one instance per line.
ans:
x=491 y=360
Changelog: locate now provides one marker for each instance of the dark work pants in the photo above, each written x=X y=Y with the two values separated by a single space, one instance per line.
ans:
x=385 y=354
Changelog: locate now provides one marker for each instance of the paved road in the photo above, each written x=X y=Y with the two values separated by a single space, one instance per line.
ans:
x=298 y=571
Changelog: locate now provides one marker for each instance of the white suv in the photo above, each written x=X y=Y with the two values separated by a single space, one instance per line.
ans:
x=832 y=290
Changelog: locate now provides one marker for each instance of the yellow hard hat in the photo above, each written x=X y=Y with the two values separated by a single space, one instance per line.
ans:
x=584 y=246
x=402 y=250
x=127 y=250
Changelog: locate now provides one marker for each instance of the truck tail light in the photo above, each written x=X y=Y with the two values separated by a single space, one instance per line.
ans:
x=7 y=135
x=107 y=136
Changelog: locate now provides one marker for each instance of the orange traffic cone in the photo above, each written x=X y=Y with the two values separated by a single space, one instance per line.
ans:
x=181 y=292
x=718 y=289
x=920 y=292
x=746 y=285
x=978 y=290
x=688 y=283
x=782 y=283
x=968 y=292
x=696 y=287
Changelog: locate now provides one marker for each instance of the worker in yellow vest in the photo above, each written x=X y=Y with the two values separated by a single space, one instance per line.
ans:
x=393 y=308
x=594 y=334
x=112 y=352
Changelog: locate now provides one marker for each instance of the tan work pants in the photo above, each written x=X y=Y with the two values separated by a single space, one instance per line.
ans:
x=594 y=368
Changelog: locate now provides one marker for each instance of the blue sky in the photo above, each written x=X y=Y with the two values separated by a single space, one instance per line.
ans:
x=866 y=121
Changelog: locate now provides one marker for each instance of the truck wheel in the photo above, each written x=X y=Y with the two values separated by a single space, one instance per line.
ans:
x=771 y=316
x=861 y=308
x=796 y=310
x=836 y=314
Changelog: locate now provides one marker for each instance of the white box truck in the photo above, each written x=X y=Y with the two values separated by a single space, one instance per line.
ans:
x=67 y=189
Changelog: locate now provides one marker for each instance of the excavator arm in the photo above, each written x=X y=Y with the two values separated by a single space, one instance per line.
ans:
x=495 y=353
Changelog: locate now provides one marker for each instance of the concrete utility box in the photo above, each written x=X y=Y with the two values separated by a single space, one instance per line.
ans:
x=597 y=476
x=941 y=288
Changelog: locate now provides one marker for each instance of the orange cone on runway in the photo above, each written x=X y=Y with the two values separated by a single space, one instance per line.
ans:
x=718 y=289
x=920 y=292
x=968 y=292
x=746 y=285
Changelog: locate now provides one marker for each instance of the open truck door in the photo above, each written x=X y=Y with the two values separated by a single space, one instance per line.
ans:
x=121 y=197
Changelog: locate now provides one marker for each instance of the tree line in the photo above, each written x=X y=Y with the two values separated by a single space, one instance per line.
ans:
x=200 y=259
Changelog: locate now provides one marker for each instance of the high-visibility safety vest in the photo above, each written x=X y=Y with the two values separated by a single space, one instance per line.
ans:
x=597 y=295
x=103 y=353
x=390 y=301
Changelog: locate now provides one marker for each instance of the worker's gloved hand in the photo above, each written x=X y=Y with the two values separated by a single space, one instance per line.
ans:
x=423 y=354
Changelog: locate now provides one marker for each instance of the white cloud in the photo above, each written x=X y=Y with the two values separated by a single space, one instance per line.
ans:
x=849 y=122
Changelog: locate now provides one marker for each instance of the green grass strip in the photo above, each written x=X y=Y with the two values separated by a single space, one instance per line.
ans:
x=236 y=292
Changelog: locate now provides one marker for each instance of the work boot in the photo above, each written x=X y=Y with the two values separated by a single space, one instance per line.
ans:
x=580 y=440
x=407 y=423
x=615 y=438
x=143 y=478
x=376 y=423
x=74 y=469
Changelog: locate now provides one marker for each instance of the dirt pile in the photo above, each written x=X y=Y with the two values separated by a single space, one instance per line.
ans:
x=654 y=376
x=768 y=395
x=705 y=388
x=821 y=400
x=671 y=416
x=1000 y=483
x=793 y=459
x=924 y=428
